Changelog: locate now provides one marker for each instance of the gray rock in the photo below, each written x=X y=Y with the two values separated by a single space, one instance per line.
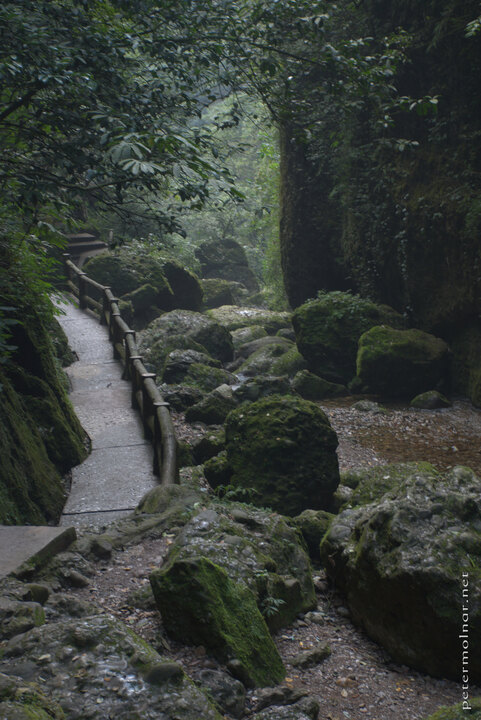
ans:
x=267 y=556
x=95 y=668
x=312 y=657
x=431 y=400
x=401 y=561
x=180 y=397
x=178 y=362
x=228 y=694
x=261 y=386
x=192 y=326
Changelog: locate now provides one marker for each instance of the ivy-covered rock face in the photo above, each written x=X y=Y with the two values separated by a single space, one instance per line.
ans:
x=284 y=448
x=407 y=565
x=329 y=327
x=402 y=363
x=194 y=327
x=226 y=259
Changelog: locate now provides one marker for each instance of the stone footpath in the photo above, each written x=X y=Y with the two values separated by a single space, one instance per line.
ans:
x=118 y=472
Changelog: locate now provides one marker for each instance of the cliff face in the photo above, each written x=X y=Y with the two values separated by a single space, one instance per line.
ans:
x=40 y=436
x=401 y=221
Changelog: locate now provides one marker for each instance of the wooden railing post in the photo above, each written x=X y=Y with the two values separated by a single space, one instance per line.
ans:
x=147 y=406
x=82 y=291
x=127 y=366
x=105 y=307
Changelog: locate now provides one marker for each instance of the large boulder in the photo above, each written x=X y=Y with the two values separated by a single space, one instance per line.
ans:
x=201 y=605
x=409 y=567
x=257 y=549
x=125 y=272
x=401 y=363
x=329 y=327
x=94 y=667
x=233 y=317
x=312 y=387
x=262 y=361
x=217 y=292
x=214 y=407
x=226 y=259
x=193 y=326
x=178 y=362
x=284 y=448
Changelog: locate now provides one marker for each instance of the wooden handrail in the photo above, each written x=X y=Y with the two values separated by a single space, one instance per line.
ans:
x=146 y=397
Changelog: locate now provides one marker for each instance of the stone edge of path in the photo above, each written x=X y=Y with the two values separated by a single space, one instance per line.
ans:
x=25 y=548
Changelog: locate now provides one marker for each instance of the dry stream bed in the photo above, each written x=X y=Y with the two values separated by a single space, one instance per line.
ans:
x=358 y=680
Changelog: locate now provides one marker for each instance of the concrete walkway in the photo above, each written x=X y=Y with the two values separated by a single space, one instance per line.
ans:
x=118 y=472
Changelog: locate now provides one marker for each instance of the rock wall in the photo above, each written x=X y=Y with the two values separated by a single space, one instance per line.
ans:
x=40 y=436
x=399 y=223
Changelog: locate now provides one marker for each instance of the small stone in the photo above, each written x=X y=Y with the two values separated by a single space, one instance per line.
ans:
x=343 y=611
x=309 y=658
x=164 y=672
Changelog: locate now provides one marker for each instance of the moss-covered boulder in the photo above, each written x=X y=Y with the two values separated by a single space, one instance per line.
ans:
x=141 y=306
x=470 y=708
x=186 y=288
x=261 y=386
x=256 y=548
x=233 y=318
x=402 y=363
x=200 y=604
x=290 y=363
x=193 y=327
x=369 y=485
x=217 y=470
x=407 y=562
x=180 y=397
x=329 y=327
x=178 y=362
x=208 y=378
x=214 y=407
x=466 y=366
x=208 y=445
x=26 y=701
x=217 y=292
x=284 y=448
x=263 y=360
x=313 y=525
x=430 y=400
x=126 y=274
x=226 y=259
x=243 y=335
x=125 y=271
x=313 y=387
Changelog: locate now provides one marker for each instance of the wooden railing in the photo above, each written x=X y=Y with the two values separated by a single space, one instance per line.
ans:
x=146 y=397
